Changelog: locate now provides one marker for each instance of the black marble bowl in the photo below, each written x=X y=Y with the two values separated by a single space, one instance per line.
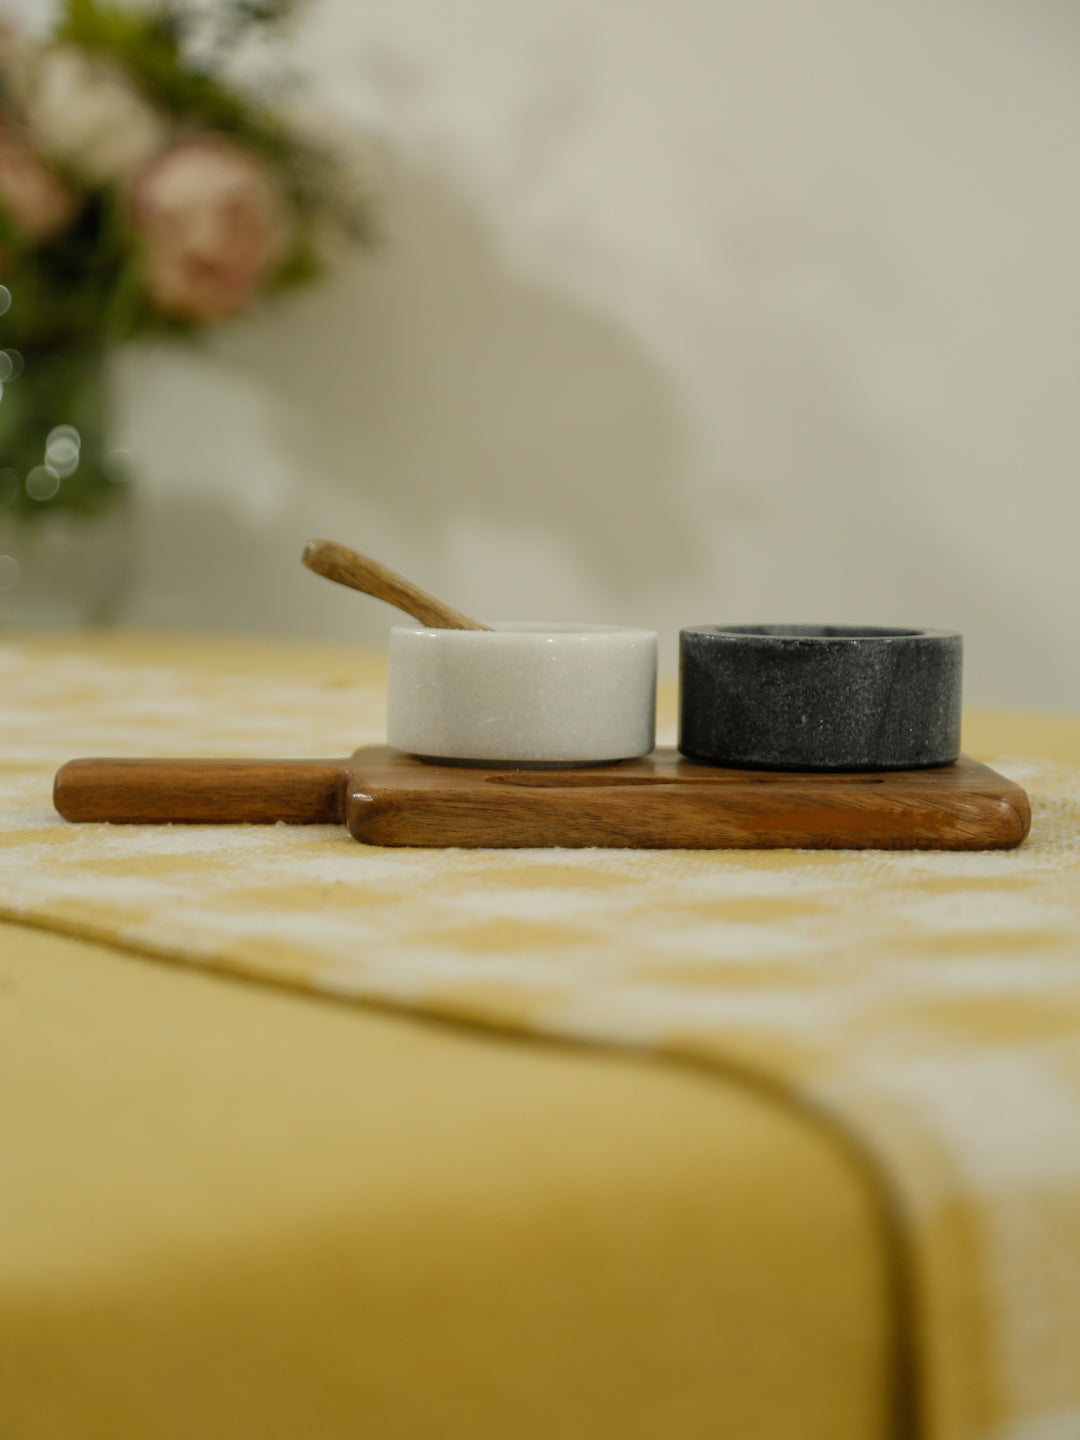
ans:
x=819 y=697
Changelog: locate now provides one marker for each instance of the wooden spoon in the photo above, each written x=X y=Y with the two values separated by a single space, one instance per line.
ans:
x=338 y=562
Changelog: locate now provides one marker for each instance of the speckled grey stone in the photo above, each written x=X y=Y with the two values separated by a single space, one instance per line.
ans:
x=819 y=697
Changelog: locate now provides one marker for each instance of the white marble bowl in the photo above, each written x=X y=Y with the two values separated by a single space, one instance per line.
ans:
x=523 y=694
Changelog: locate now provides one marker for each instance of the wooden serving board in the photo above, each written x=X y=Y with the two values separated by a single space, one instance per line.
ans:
x=660 y=802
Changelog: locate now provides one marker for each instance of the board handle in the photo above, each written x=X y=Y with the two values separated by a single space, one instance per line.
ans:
x=201 y=792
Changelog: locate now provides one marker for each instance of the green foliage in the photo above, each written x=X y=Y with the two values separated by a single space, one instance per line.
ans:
x=148 y=44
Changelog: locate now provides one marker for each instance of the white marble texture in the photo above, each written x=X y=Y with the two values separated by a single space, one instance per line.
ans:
x=523 y=693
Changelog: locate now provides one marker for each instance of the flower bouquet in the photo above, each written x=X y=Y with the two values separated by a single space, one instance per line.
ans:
x=141 y=190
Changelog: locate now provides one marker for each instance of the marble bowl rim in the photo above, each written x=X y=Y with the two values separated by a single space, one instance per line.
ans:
x=776 y=636
x=524 y=633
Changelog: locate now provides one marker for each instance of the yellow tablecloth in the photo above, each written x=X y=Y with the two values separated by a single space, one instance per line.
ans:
x=230 y=1210
x=232 y=1213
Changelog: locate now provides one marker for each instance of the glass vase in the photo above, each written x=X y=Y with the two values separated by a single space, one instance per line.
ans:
x=65 y=521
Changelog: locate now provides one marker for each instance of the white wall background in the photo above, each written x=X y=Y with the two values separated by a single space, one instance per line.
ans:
x=708 y=310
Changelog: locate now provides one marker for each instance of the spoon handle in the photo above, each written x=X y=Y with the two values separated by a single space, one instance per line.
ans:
x=338 y=562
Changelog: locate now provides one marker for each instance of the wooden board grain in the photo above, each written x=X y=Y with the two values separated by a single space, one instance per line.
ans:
x=661 y=802
x=666 y=802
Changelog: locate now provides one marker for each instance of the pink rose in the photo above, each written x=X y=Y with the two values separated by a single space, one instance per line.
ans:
x=212 y=225
x=36 y=199
x=9 y=43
